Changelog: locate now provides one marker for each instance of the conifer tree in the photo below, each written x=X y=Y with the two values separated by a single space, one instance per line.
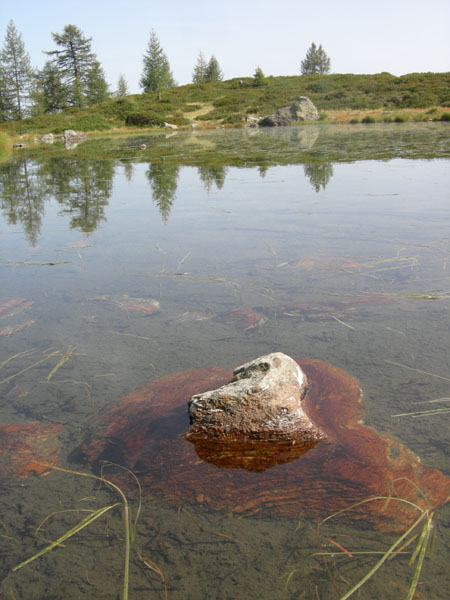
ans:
x=199 y=74
x=122 y=87
x=316 y=61
x=50 y=93
x=6 y=104
x=77 y=65
x=17 y=75
x=96 y=86
x=156 y=74
x=213 y=71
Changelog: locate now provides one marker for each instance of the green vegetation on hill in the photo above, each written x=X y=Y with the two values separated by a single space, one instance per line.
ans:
x=229 y=102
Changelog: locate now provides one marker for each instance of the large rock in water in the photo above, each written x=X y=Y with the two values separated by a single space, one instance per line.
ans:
x=263 y=401
x=143 y=431
x=300 y=110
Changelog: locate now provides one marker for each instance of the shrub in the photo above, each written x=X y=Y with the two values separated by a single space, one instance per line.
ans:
x=148 y=119
x=354 y=121
x=234 y=119
x=89 y=122
x=368 y=119
x=119 y=108
x=445 y=116
x=192 y=107
x=399 y=119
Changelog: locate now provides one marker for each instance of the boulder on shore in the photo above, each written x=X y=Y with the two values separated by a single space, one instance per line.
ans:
x=48 y=138
x=300 y=110
x=263 y=401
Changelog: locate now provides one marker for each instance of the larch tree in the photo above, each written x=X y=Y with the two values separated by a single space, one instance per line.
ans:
x=50 y=93
x=96 y=86
x=199 y=73
x=316 y=62
x=6 y=104
x=17 y=75
x=77 y=64
x=122 y=87
x=156 y=74
x=213 y=70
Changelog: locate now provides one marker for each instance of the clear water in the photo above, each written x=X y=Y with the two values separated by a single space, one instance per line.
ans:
x=202 y=240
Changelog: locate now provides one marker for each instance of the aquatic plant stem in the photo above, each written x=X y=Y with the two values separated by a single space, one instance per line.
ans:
x=385 y=556
x=126 y=520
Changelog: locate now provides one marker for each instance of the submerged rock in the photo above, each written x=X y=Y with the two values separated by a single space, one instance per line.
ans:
x=28 y=449
x=263 y=401
x=144 y=432
x=146 y=306
x=240 y=318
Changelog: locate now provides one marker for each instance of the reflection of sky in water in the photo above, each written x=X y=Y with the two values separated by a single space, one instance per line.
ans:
x=203 y=241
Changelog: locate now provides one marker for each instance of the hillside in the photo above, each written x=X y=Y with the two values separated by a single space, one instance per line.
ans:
x=384 y=97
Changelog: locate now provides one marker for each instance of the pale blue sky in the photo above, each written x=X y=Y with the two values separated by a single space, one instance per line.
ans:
x=399 y=36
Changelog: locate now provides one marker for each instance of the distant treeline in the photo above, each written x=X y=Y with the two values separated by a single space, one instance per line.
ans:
x=71 y=92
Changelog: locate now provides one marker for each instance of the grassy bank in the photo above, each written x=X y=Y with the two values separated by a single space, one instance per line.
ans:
x=339 y=98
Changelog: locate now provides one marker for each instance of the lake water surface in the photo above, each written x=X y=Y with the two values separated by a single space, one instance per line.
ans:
x=205 y=224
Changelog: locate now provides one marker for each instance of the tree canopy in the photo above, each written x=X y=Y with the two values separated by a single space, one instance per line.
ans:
x=78 y=67
x=122 y=87
x=316 y=61
x=156 y=73
x=213 y=70
x=199 y=73
x=258 y=77
x=16 y=76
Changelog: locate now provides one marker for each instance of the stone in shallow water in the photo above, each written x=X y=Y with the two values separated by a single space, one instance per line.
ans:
x=241 y=318
x=144 y=432
x=263 y=401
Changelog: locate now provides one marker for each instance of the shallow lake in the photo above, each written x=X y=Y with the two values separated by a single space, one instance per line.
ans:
x=326 y=242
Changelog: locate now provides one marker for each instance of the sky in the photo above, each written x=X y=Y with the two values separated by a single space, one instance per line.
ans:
x=397 y=36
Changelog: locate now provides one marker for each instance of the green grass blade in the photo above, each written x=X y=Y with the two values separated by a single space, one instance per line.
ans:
x=78 y=527
x=385 y=556
x=427 y=529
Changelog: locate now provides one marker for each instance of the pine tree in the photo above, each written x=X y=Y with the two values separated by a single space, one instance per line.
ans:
x=122 y=87
x=50 y=93
x=156 y=74
x=316 y=61
x=17 y=75
x=77 y=64
x=199 y=74
x=213 y=71
x=96 y=86
x=6 y=103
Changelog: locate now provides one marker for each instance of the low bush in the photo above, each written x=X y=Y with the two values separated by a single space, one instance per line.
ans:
x=148 y=119
x=119 y=108
x=234 y=119
x=368 y=119
x=445 y=116
x=89 y=122
x=192 y=107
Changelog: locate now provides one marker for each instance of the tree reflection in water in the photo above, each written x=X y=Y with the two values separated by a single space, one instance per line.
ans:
x=212 y=174
x=22 y=196
x=318 y=173
x=81 y=187
x=163 y=178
